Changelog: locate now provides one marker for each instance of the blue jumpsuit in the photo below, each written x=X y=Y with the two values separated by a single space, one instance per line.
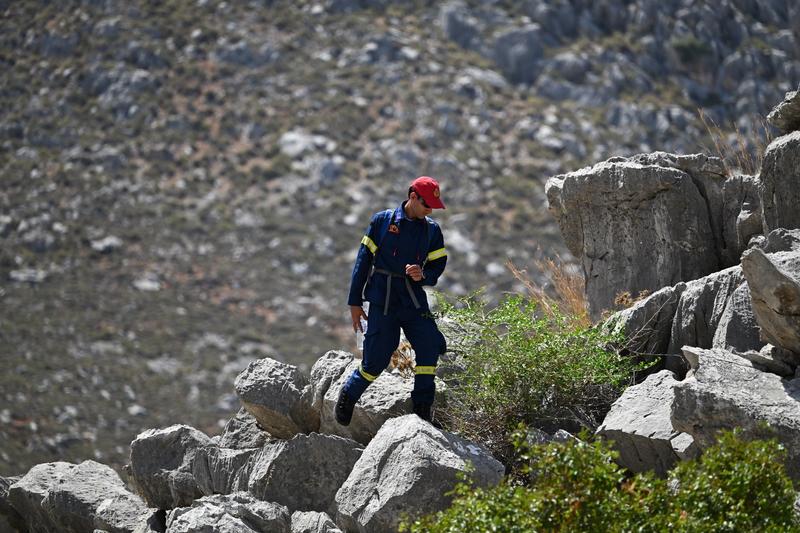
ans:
x=393 y=243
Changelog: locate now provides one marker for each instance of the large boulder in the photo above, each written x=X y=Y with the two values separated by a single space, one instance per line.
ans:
x=518 y=53
x=659 y=212
x=713 y=311
x=737 y=328
x=741 y=216
x=640 y=426
x=775 y=287
x=459 y=25
x=786 y=115
x=408 y=469
x=724 y=391
x=303 y=473
x=313 y=522
x=701 y=307
x=646 y=325
x=76 y=498
x=780 y=183
x=387 y=397
x=272 y=392
x=162 y=463
x=232 y=513
x=326 y=372
x=218 y=470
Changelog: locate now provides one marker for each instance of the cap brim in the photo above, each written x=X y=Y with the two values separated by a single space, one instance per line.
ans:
x=434 y=203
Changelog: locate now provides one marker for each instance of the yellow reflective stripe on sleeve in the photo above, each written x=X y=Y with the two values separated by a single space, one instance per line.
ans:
x=436 y=254
x=369 y=377
x=426 y=370
x=366 y=241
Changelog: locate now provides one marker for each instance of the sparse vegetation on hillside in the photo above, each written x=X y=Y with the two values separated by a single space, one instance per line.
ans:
x=515 y=364
x=736 y=485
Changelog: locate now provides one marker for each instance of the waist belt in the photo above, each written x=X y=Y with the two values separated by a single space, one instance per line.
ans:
x=389 y=275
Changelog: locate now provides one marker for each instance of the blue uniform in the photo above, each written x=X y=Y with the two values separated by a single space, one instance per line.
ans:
x=396 y=301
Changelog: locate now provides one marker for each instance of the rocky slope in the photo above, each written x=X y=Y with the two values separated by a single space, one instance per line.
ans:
x=184 y=183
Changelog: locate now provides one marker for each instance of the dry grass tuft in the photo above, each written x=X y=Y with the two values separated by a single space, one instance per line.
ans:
x=403 y=360
x=739 y=154
x=566 y=294
x=625 y=299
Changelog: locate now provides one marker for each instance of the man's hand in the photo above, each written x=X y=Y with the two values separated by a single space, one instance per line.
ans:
x=414 y=272
x=356 y=313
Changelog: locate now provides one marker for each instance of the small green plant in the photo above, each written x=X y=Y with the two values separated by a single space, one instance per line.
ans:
x=737 y=485
x=516 y=364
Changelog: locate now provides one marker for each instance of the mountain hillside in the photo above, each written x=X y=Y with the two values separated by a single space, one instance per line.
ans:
x=184 y=184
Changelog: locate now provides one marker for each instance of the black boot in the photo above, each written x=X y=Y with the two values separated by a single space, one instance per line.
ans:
x=344 y=408
x=423 y=410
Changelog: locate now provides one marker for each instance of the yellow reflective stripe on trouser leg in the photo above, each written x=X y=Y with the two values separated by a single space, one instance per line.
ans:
x=366 y=241
x=366 y=375
x=436 y=254
x=425 y=370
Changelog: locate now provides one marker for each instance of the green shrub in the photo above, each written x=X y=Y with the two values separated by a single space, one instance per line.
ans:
x=514 y=366
x=690 y=49
x=735 y=486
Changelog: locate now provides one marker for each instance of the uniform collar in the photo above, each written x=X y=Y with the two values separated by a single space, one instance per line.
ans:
x=400 y=214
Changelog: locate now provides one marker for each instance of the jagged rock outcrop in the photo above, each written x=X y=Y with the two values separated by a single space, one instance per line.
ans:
x=725 y=391
x=517 y=53
x=700 y=310
x=640 y=426
x=786 y=115
x=737 y=328
x=219 y=470
x=775 y=288
x=782 y=240
x=715 y=311
x=243 y=432
x=407 y=469
x=620 y=218
x=313 y=522
x=162 y=464
x=10 y=519
x=232 y=513
x=780 y=183
x=272 y=392
x=76 y=498
x=646 y=325
x=741 y=215
x=303 y=473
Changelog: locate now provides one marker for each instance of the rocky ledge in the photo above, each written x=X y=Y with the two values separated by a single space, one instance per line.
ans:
x=281 y=465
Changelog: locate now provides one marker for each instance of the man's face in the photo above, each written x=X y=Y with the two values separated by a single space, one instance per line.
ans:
x=419 y=208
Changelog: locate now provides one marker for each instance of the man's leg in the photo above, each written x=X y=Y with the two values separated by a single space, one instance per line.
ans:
x=380 y=341
x=428 y=343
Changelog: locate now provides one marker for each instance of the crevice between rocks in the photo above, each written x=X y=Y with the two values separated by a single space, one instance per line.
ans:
x=716 y=232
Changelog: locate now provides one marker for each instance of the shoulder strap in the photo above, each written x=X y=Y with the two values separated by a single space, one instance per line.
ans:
x=382 y=229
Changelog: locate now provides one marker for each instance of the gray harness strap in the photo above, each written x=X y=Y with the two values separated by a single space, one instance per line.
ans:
x=389 y=275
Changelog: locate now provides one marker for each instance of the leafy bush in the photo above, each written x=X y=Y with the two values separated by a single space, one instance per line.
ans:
x=735 y=486
x=514 y=366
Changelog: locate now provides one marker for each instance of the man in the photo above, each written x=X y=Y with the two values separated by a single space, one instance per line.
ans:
x=402 y=251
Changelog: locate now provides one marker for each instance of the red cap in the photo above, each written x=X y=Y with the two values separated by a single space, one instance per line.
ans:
x=428 y=188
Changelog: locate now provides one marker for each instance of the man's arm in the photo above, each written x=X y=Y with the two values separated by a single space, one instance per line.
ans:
x=363 y=263
x=437 y=259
